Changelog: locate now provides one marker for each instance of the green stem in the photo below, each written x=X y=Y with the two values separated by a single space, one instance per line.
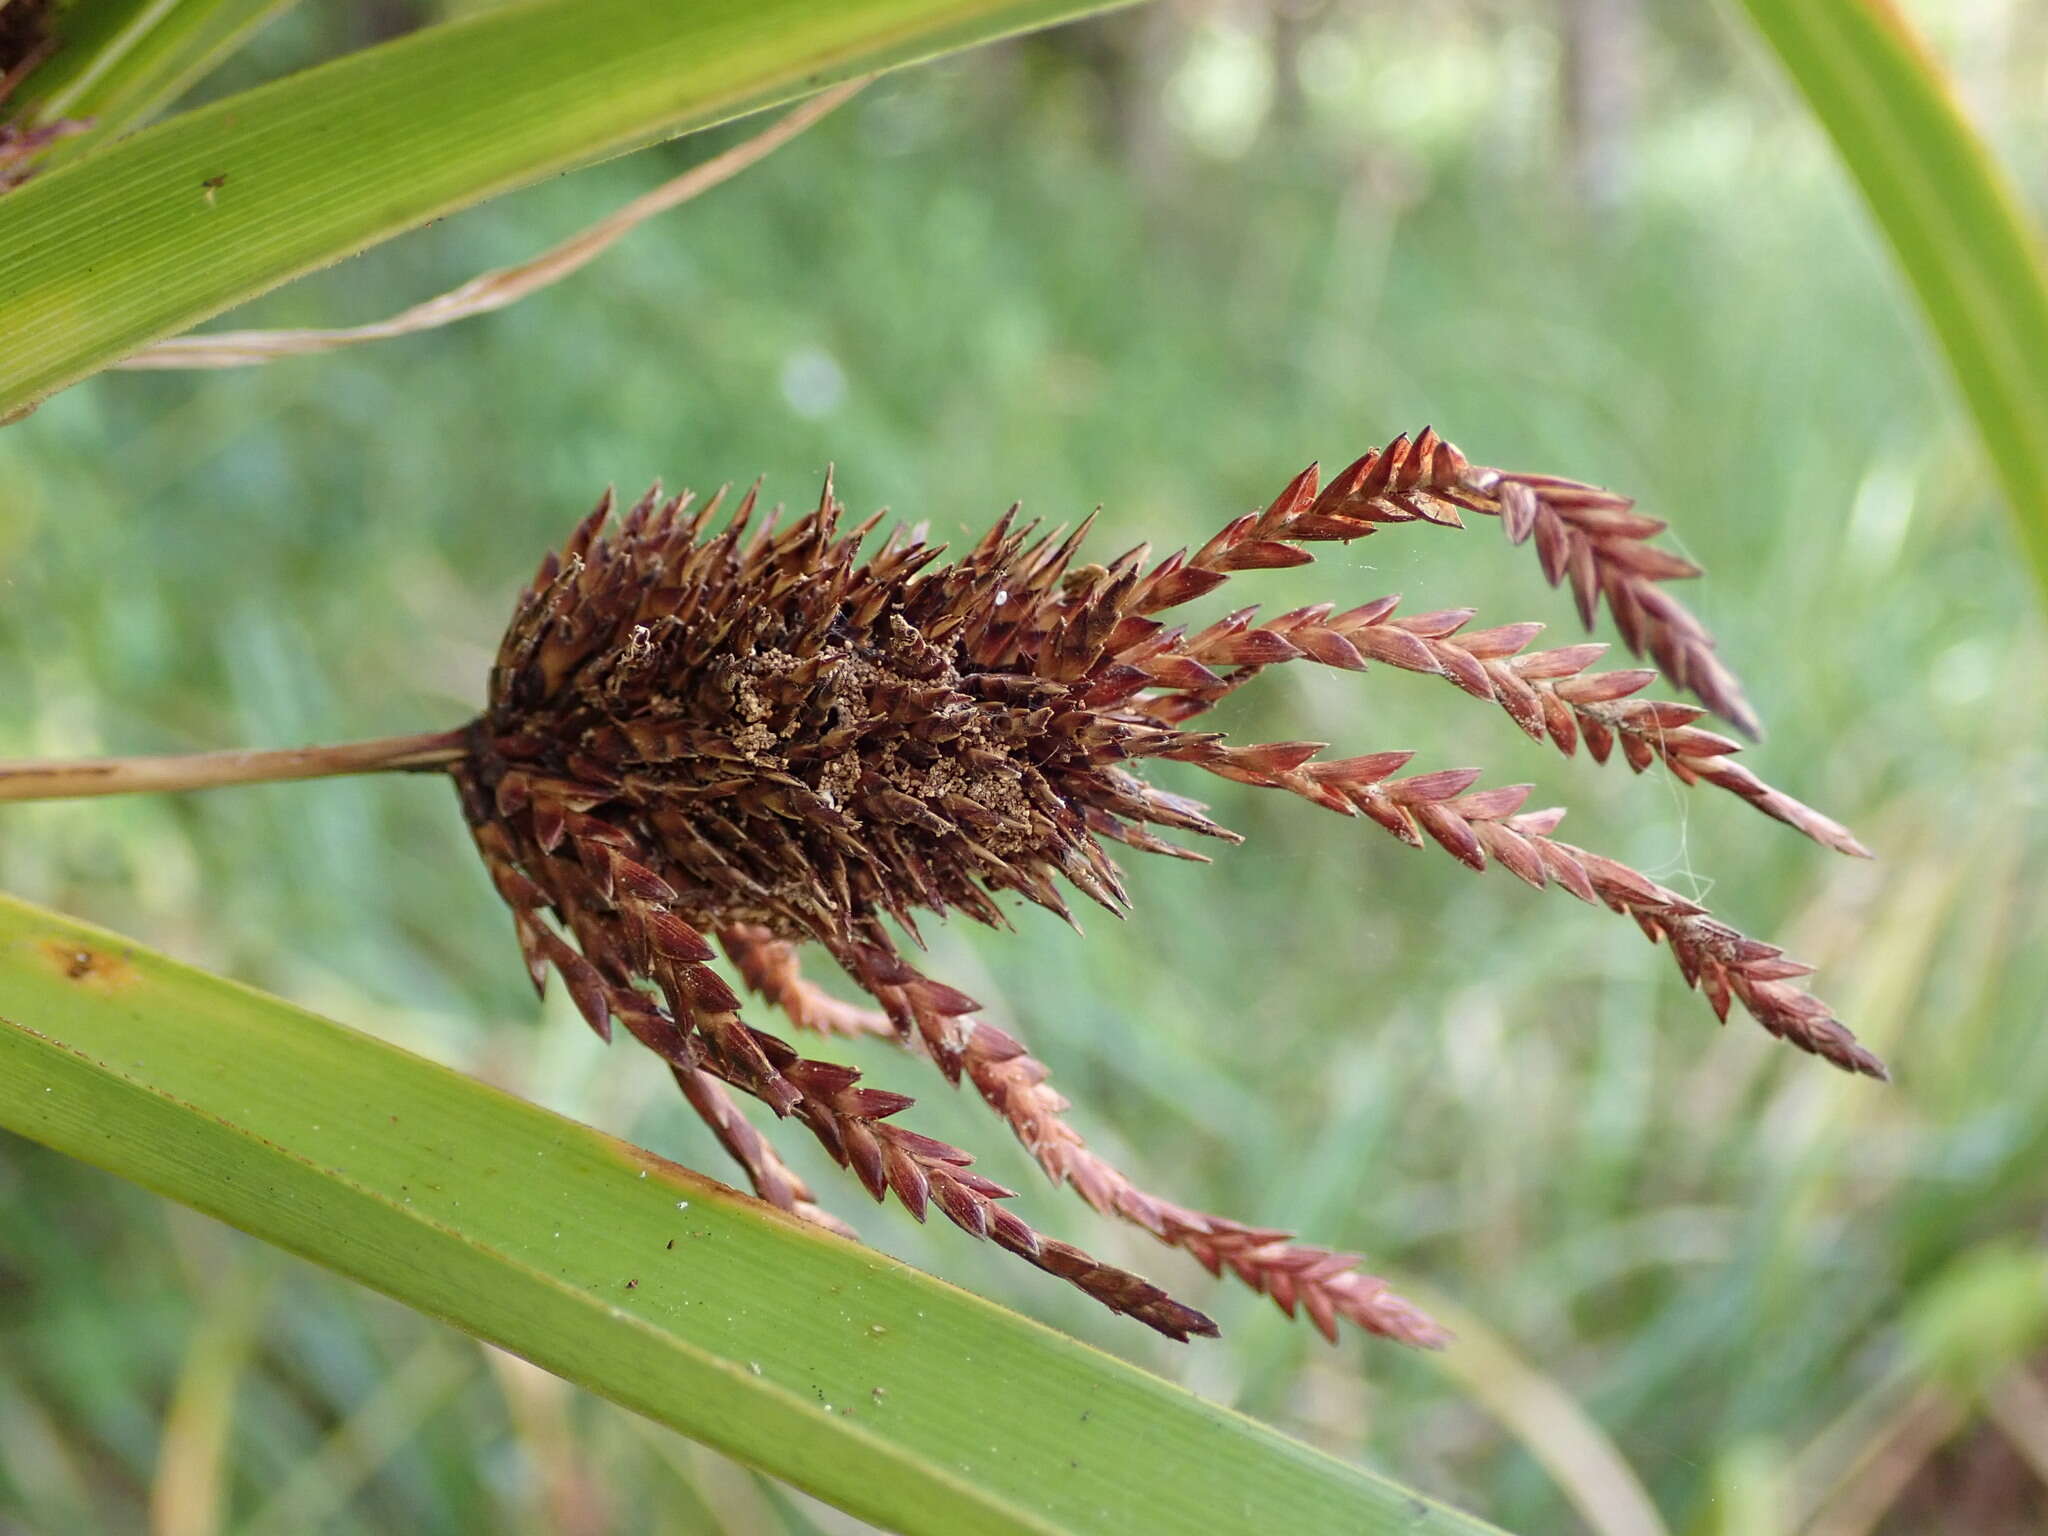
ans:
x=58 y=780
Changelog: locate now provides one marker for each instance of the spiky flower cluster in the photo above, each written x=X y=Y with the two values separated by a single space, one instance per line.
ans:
x=756 y=736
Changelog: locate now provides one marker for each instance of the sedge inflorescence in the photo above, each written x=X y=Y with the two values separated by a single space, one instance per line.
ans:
x=753 y=737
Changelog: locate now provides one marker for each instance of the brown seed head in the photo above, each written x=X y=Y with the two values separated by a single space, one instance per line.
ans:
x=757 y=734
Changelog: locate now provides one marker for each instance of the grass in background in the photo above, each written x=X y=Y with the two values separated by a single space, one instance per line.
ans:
x=1757 y=1280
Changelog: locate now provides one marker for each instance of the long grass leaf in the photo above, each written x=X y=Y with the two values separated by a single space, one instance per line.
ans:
x=122 y=61
x=896 y=1397
x=1952 y=218
x=152 y=235
x=502 y=286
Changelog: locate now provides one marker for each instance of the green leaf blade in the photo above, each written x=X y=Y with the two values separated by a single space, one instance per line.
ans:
x=892 y=1395
x=150 y=236
x=124 y=60
x=1952 y=219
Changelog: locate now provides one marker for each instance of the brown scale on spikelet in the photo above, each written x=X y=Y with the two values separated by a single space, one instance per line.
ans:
x=25 y=42
x=758 y=735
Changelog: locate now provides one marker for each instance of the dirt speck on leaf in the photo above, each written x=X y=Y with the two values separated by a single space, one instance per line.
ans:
x=100 y=969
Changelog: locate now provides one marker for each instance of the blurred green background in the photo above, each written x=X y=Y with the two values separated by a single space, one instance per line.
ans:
x=1155 y=263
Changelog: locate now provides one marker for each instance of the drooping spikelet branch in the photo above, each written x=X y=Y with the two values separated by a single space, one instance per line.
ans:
x=771 y=967
x=1473 y=824
x=1551 y=695
x=1324 y=1284
x=773 y=1179
x=1593 y=538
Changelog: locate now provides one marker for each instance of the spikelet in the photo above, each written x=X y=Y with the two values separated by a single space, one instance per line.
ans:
x=25 y=42
x=749 y=732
